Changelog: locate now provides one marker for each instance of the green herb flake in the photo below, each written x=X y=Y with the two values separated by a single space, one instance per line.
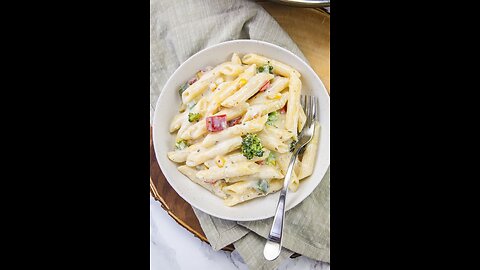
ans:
x=193 y=117
x=251 y=146
x=271 y=159
x=265 y=68
x=272 y=117
x=180 y=145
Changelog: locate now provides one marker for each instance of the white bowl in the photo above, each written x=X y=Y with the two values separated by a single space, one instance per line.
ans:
x=169 y=102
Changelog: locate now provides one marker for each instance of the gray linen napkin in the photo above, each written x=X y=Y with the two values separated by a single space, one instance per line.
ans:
x=179 y=29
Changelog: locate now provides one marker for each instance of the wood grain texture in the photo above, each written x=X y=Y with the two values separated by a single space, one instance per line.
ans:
x=312 y=35
x=310 y=29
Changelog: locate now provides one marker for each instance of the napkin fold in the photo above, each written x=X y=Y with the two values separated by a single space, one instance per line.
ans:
x=179 y=29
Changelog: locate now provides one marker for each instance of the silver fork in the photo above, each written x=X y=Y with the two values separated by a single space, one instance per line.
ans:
x=274 y=242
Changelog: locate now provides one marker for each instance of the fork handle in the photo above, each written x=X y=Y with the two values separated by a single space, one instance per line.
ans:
x=277 y=225
x=274 y=243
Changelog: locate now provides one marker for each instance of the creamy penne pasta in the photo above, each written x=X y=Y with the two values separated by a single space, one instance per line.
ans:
x=203 y=154
x=272 y=92
x=215 y=188
x=248 y=90
x=252 y=126
x=273 y=143
x=266 y=108
x=278 y=67
x=267 y=172
x=221 y=161
x=306 y=166
x=291 y=122
x=237 y=125
x=230 y=170
x=301 y=119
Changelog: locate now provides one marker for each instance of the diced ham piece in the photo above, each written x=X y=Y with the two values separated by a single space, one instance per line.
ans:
x=216 y=122
x=265 y=86
x=235 y=121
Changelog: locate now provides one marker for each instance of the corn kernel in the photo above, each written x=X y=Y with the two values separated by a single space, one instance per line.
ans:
x=220 y=161
x=242 y=82
x=275 y=96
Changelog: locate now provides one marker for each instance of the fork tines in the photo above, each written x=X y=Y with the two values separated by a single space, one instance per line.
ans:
x=311 y=108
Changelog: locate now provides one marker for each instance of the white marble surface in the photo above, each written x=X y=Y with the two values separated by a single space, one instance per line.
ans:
x=173 y=247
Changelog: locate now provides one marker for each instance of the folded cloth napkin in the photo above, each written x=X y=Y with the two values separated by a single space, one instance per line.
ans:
x=179 y=29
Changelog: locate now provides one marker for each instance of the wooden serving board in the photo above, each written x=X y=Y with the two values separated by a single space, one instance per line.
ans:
x=312 y=35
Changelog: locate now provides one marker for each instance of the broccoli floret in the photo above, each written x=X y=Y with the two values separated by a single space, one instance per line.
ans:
x=193 y=117
x=180 y=145
x=271 y=159
x=251 y=146
x=183 y=88
x=266 y=68
x=272 y=117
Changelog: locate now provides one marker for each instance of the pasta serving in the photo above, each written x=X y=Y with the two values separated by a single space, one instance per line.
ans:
x=236 y=128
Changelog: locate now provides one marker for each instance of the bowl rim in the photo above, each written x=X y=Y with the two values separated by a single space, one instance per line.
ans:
x=162 y=93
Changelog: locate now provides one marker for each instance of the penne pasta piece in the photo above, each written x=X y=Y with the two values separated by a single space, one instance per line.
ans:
x=264 y=109
x=283 y=160
x=200 y=107
x=215 y=188
x=203 y=154
x=266 y=172
x=278 y=67
x=236 y=59
x=252 y=126
x=301 y=119
x=180 y=156
x=198 y=87
x=308 y=159
x=231 y=170
x=282 y=134
x=177 y=121
x=221 y=94
x=291 y=121
x=237 y=188
x=248 y=90
x=185 y=125
x=272 y=142
x=231 y=69
x=237 y=157
x=277 y=85
x=243 y=191
x=194 y=90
